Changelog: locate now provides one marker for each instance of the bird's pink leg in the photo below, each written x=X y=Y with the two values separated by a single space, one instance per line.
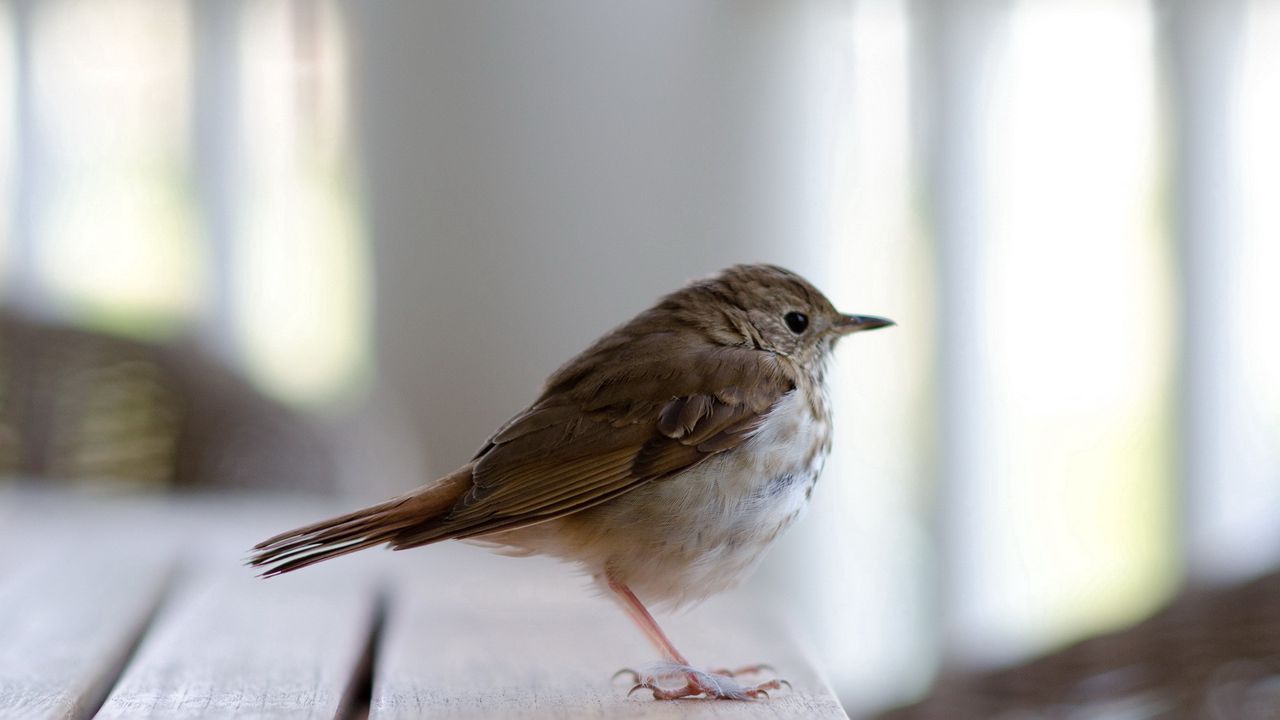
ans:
x=640 y=615
x=698 y=682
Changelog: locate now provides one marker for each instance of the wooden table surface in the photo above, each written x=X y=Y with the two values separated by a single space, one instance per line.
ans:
x=141 y=608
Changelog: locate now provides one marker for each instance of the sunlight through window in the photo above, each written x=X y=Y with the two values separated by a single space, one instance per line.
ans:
x=8 y=110
x=114 y=233
x=301 y=294
x=1076 y=518
x=1249 y=506
x=1259 y=113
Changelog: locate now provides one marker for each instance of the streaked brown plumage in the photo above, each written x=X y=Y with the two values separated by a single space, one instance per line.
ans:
x=665 y=458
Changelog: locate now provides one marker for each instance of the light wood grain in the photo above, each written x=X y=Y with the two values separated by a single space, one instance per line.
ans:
x=70 y=613
x=232 y=645
x=468 y=634
x=471 y=635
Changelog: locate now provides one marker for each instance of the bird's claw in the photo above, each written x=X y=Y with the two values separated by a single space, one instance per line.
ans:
x=764 y=688
x=641 y=686
x=635 y=676
x=713 y=686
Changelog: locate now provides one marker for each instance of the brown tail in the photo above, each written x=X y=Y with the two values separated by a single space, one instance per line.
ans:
x=374 y=525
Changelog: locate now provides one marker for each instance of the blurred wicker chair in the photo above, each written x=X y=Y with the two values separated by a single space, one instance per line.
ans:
x=85 y=408
x=1211 y=653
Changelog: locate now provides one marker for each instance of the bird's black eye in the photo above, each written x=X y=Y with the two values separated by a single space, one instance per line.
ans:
x=796 y=321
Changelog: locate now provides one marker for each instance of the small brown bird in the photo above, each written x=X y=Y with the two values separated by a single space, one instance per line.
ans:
x=664 y=460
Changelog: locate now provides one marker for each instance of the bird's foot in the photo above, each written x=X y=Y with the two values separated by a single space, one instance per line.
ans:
x=711 y=685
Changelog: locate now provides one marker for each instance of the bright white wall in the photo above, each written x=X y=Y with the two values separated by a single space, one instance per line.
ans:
x=538 y=172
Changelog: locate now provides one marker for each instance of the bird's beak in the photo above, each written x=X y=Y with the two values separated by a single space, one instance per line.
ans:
x=848 y=324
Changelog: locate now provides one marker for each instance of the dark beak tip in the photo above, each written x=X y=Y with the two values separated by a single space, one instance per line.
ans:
x=858 y=323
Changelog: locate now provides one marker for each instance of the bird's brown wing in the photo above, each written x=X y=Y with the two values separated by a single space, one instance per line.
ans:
x=598 y=433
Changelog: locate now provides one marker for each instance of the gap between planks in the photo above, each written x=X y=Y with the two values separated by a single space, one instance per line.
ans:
x=71 y=617
x=465 y=634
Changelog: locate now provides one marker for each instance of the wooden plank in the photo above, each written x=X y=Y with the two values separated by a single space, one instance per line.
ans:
x=230 y=644
x=470 y=634
x=473 y=635
x=71 y=611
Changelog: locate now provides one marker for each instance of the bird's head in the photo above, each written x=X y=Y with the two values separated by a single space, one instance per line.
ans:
x=771 y=309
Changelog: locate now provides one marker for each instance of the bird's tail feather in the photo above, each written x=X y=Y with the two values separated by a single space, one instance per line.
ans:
x=374 y=525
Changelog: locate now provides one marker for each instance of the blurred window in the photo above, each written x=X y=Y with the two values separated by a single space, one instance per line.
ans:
x=7 y=132
x=113 y=228
x=1244 y=501
x=142 y=205
x=1072 y=528
x=1060 y=511
x=301 y=298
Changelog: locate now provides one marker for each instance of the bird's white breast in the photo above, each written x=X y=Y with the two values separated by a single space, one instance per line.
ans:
x=701 y=532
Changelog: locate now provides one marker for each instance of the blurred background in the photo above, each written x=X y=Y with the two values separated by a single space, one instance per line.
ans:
x=331 y=245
